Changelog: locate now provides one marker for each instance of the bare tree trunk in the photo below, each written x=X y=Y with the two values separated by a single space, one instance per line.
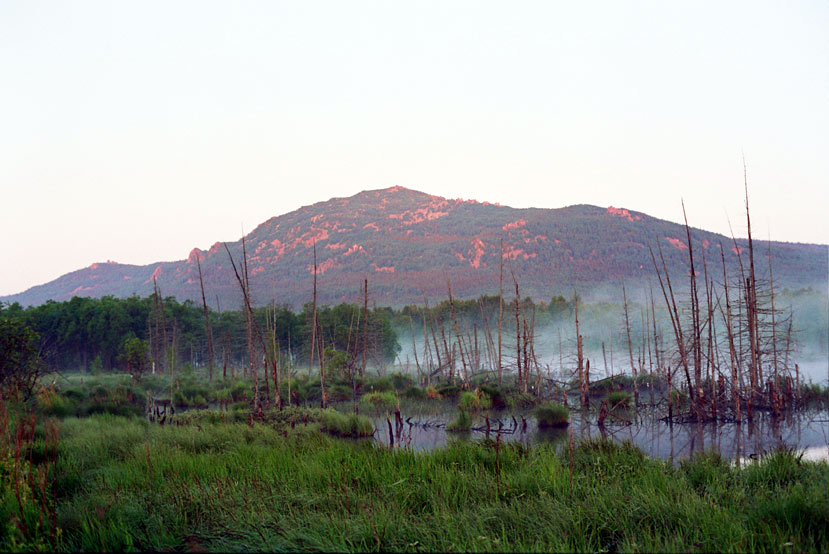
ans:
x=673 y=312
x=751 y=300
x=775 y=402
x=457 y=332
x=321 y=351
x=414 y=346
x=253 y=322
x=630 y=349
x=579 y=353
x=695 y=322
x=500 y=309
x=735 y=381
x=206 y=323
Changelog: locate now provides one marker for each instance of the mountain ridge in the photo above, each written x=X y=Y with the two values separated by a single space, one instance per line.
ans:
x=406 y=242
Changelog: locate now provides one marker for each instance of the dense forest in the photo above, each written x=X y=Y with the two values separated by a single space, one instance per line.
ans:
x=91 y=334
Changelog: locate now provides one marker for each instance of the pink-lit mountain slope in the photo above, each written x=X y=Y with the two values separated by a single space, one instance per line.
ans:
x=405 y=242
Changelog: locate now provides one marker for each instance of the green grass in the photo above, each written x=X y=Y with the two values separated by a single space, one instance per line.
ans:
x=346 y=425
x=222 y=481
x=551 y=415
x=474 y=401
x=619 y=399
x=383 y=401
x=125 y=484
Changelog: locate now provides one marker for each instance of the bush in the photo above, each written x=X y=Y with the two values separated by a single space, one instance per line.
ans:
x=339 y=393
x=495 y=395
x=20 y=362
x=377 y=384
x=414 y=392
x=400 y=380
x=552 y=415
x=473 y=401
x=379 y=400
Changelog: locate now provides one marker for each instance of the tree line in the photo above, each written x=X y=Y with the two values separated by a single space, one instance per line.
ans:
x=99 y=334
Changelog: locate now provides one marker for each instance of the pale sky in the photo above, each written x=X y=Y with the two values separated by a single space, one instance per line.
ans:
x=135 y=131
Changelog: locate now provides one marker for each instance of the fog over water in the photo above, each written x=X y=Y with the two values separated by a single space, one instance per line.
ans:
x=602 y=326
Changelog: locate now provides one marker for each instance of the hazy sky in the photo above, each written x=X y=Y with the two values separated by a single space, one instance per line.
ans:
x=135 y=131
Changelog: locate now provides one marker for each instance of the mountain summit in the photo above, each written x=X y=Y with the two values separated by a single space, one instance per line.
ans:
x=407 y=242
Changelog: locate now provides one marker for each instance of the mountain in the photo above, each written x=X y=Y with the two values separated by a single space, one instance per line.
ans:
x=407 y=242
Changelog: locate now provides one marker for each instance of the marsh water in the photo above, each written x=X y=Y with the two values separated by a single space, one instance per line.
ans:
x=424 y=429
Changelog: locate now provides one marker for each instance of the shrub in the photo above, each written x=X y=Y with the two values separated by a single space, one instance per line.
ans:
x=378 y=384
x=339 y=393
x=551 y=414
x=414 y=392
x=495 y=395
x=379 y=400
x=472 y=401
x=400 y=380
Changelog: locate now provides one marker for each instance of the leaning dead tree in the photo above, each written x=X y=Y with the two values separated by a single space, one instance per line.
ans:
x=257 y=333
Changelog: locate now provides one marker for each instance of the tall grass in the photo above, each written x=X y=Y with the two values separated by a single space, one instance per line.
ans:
x=551 y=415
x=124 y=484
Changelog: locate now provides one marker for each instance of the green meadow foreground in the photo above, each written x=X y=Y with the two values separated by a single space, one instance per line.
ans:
x=219 y=481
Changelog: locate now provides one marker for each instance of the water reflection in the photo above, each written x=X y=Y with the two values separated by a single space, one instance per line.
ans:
x=762 y=433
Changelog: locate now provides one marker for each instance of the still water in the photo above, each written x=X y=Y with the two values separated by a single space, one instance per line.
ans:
x=425 y=430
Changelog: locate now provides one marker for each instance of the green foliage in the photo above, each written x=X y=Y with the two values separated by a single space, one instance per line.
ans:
x=814 y=393
x=551 y=414
x=377 y=384
x=122 y=483
x=346 y=425
x=519 y=400
x=20 y=362
x=380 y=401
x=473 y=401
x=448 y=390
x=400 y=381
x=135 y=354
x=414 y=392
x=495 y=394
x=619 y=399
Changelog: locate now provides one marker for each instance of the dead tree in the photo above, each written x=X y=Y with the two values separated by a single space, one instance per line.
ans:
x=365 y=328
x=630 y=348
x=580 y=354
x=500 y=309
x=457 y=332
x=206 y=322
x=255 y=326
